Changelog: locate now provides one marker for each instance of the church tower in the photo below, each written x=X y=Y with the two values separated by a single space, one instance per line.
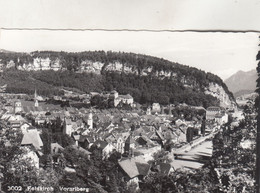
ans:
x=17 y=106
x=90 y=120
x=36 y=103
x=148 y=111
x=67 y=126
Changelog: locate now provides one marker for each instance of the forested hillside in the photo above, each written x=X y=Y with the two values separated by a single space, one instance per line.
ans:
x=148 y=79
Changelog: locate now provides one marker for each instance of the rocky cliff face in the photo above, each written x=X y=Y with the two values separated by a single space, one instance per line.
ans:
x=219 y=92
x=180 y=75
x=87 y=66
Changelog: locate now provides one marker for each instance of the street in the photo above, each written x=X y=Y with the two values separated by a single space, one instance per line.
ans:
x=195 y=158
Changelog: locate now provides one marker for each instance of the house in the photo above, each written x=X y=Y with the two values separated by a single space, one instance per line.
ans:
x=6 y=116
x=157 y=137
x=86 y=141
x=133 y=170
x=179 y=122
x=15 y=121
x=69 y=126
x=147 y=152
x=56 y=148
x=120 y=145
x=82 y=150
x=211 y=112
x=125 y=99
x=40 y=119
x=76 y=138
x=129 y=144
x=32 y=144
x=105 y=148
x=88 y=120
x=32 y=138
x=180 y=134
x=117 y=140
x=25 y=126
x=148 y=111
x=156 y=107
x=221 y=118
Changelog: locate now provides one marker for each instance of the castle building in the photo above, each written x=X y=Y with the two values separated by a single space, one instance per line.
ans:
x=17 y=107
x=125 y=99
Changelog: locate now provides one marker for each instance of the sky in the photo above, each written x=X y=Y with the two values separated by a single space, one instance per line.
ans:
x=220 y=53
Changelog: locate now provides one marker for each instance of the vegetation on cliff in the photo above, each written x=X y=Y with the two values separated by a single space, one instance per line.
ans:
x=182 y=84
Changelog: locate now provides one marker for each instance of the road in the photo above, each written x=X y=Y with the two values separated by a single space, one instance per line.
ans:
x=195 y=158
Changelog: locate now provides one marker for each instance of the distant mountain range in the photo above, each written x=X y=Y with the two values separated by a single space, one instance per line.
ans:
x=5 y=51
x=242 y=82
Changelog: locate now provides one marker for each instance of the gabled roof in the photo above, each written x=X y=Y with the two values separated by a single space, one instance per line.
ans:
x=143 y=168
x=5 y=116
x=110 y=139
x=160 y=135
x=76 y=137
x=132 y=169
x=89 y=138
x=28 y=109
x=128 y=96
x=16 y=118
x=26 y=123
x=81 y=149
x=32 y=137
x=56 y=146
x=123 y=135
x=213 y=108
x=100 y=144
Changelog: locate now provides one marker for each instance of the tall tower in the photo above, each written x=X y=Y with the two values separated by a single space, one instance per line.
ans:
x=36 y=103
x=148 y=111
x=90 y=120
x=67 y=126
x=17 y=106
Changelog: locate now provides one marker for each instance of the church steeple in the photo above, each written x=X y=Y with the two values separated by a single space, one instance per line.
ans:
x=36 y=103
x=90 y=120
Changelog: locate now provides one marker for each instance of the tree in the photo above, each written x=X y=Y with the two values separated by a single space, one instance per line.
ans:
x=189 y=134
x=46 y=139
x=203 y=126
x=159 y=157
x=48 y=178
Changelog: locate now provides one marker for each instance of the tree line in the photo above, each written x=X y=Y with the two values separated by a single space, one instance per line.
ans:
x=144 y=89
x=73 y=60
